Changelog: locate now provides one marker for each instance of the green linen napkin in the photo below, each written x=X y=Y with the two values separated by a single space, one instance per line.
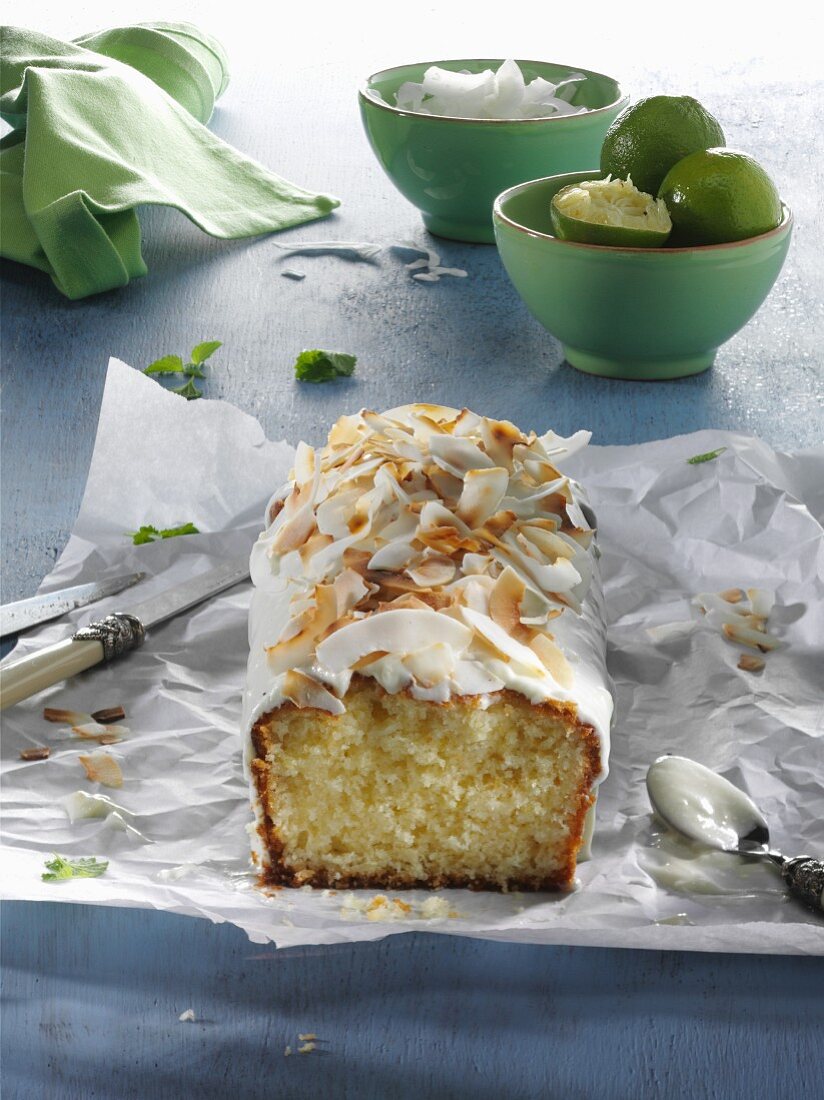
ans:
x=112 y=122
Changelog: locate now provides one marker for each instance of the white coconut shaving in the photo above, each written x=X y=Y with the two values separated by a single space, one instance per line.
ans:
x=428 y=268
x=488 y=95
x=187 y=1017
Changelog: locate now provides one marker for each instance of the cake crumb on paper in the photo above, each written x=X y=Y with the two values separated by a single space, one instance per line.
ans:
x=381 y=908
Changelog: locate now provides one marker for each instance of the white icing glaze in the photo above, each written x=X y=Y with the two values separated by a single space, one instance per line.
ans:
x=437 y=551
x=701 y=804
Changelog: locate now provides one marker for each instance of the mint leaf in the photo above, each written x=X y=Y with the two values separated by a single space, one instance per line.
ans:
x=192 y=370
x=148 y=533
x=188 y=390
x=322 y=366
x=61 y=868
x=168 y=364
x=201 y=352
x=144 y=534
x=707 y=457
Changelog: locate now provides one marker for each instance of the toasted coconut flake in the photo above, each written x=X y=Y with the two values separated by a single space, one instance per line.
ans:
x=744 y=635
x=761 y=602
x=457 y=455
x=554 y=444
x=431 y=665
x=295 y=531
x=298 y=649
x=394 y=556
x=732 y=595
x=750 y=663
x=101 y=767
x=350 y=589
x=500 y=439
x=108 y=715
x=552 y=657
x=70 y=717
x=433 y=572
x=392 y=631
x=304 y=463
x=509 y=649
x=483 y=491
x=505 y=601
x=305 y=692
x=91 y=731
x=41 y=752
x=498 y=524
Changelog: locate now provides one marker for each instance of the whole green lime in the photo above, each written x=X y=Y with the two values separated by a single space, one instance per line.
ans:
x=650 y=136
x=719 y=195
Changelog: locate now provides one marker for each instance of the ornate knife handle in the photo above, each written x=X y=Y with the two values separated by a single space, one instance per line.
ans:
x=117 y=633
x=804 y=877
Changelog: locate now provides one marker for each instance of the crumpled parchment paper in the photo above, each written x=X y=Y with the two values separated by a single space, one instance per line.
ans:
x=667 y=529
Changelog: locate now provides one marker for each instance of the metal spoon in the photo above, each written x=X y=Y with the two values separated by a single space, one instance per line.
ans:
x=707 y=808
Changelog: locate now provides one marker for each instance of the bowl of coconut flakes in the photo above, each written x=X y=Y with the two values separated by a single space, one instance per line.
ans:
x=452 y=135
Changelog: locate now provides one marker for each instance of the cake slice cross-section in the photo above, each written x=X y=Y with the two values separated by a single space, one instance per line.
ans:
x=427 y=702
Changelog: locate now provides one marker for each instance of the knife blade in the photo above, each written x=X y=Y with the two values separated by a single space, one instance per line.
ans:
x=108 y=638
x=23 y=614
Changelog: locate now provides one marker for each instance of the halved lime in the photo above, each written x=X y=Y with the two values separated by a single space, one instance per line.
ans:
x=609 y=212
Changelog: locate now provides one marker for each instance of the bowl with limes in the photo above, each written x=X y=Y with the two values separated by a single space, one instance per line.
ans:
x=644 y=266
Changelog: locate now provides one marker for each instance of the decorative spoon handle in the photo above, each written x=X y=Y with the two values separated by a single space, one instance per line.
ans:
x=804 y=877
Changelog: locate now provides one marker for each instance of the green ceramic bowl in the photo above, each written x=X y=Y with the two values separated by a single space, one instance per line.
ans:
x=640 y=313
x=453 y=168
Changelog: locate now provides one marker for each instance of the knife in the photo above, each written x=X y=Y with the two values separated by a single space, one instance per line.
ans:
x=108 y=638
x=22 y=614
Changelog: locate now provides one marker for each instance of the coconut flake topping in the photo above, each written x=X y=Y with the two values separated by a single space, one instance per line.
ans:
x=436 y=551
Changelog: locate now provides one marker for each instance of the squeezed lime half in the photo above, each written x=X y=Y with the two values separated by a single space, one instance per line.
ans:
x=609 y=212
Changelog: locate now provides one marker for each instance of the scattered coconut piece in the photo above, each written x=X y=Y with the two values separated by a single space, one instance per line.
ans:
x=750 y=663
x=71 y=717
x=741 y=616
x=80 y=804
x=308 y=1037
x=428 y=269
x=187 y=1017
x=671 y=632
x=287 y=1050
x=101 y=767
x=108 y=715
x=307 y=1048
x=42 y=752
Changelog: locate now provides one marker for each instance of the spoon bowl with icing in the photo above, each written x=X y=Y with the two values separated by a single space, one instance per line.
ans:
x=703 y=806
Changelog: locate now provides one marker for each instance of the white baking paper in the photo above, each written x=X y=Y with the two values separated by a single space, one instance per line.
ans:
x=667 y=529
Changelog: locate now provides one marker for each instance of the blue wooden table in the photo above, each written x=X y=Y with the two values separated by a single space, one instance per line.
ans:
x=92 y=996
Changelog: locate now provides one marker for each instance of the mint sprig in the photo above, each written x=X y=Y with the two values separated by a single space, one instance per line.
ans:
x=708 y=456
x=149 y=533
x=173 y=364
x=315 y=365
x=61 y=868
